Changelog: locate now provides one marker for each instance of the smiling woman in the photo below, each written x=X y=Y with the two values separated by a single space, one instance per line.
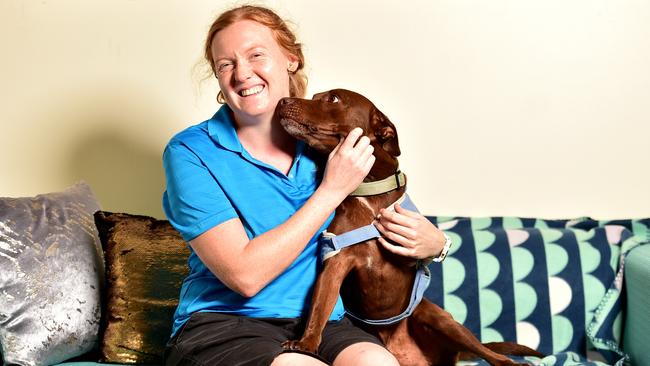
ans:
x=245 y=195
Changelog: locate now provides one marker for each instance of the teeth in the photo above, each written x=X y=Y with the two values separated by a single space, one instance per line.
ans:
x=251 y=91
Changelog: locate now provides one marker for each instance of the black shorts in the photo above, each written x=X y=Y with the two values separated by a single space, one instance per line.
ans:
x=213 y=339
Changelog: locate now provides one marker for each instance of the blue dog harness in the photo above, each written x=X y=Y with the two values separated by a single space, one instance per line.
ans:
x=332 y=244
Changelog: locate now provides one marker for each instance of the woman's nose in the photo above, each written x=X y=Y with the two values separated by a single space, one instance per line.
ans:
x=243 y=71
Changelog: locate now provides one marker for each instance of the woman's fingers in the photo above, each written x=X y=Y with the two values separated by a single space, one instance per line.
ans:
x=351 y=139
x=401 y=234
x=396 y=217
x=410 y=230
x=401 y=210
x=368 y=165
x=349 y=163
x=400 y=250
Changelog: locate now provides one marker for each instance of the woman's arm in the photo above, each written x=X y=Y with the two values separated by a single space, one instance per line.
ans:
x=247 y=266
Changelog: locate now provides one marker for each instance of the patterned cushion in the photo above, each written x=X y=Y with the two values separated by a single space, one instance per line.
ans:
x=553 y=285
x=146 y=262
x=51 y=275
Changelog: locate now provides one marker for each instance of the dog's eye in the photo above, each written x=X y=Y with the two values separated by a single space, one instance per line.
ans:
x=333 y=98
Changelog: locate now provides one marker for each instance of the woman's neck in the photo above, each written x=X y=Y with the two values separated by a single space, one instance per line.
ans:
x=263 y=134
x=267 y=141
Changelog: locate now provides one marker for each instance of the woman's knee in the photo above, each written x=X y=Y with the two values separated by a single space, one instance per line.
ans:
x=295 y=359
x=365 y=354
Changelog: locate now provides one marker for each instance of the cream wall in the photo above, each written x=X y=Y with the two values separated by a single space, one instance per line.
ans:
x=527 y=107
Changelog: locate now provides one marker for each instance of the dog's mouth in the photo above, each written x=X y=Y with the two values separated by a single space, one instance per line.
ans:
x=300 y=129
x=295 y=128
x=318 y=138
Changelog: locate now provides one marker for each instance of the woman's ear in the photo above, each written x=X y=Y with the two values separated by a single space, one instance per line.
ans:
x=293 y=64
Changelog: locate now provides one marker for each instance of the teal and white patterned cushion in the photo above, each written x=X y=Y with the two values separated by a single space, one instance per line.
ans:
x=554 y=285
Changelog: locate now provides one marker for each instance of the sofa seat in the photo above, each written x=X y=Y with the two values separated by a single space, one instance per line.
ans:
x=554 y=285
x=576 y=290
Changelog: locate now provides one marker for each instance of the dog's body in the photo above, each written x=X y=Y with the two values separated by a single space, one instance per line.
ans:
x=372 y=281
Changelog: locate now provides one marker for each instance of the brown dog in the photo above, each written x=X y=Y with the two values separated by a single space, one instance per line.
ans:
x=429 y=336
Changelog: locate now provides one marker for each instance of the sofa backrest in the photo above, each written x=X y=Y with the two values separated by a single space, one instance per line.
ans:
x=553 y=285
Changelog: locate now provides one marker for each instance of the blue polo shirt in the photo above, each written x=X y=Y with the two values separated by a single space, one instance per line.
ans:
x=211 y=178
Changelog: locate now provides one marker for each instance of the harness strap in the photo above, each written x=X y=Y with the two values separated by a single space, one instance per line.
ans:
x=420 y=284
x=332 y=244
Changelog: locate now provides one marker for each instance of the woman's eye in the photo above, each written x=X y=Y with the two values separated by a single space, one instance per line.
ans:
x=225 y=67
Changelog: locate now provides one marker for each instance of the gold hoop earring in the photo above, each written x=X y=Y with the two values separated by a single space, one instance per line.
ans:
x=220 y=98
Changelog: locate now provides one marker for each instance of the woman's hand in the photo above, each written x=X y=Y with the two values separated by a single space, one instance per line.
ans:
x=413 y=234
x=348 y=164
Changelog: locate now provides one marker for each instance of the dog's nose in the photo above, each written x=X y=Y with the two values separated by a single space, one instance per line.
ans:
x=284 y=101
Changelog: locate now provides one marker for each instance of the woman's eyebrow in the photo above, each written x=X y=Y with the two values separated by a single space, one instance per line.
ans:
x=254 y=47
x=247 y=50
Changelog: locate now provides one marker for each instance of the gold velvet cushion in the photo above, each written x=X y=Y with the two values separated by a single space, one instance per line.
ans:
x=51 y=274
x=146 y=262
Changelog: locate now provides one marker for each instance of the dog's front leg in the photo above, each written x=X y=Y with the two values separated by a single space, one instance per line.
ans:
x=326 y=292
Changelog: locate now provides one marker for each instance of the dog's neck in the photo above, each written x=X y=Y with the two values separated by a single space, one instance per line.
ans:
x=357 y=211
x=385 y=166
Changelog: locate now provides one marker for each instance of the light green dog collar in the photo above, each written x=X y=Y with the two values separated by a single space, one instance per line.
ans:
x=395 y=181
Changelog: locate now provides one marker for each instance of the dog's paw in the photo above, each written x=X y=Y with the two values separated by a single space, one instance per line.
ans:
x=299 y=346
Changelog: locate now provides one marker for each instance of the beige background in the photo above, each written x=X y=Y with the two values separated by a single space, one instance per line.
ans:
x=527 y=107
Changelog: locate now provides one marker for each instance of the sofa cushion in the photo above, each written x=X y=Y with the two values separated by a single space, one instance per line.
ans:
x=146 y=262
x=51 y=274
x=553 y=285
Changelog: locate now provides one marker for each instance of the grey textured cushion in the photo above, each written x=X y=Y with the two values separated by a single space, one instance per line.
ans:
x=51 y=275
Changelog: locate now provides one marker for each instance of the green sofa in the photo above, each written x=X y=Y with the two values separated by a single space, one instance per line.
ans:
x=577 y=290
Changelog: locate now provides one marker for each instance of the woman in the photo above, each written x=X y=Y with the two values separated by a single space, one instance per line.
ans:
x=251 y=202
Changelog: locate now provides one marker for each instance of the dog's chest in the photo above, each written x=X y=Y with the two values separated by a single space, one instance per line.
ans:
x=352 y=214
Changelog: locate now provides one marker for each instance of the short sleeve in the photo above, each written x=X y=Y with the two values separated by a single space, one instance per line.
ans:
x=193 y=200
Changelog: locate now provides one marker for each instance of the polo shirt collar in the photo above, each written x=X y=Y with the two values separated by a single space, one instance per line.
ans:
x=221 y=128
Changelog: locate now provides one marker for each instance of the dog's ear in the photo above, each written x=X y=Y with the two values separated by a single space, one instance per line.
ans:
x=384 y=132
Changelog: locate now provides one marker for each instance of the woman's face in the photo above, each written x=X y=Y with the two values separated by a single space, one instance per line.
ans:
x=251 y=68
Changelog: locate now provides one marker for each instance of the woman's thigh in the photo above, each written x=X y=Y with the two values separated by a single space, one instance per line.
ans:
x=296 y=359
x=339 y=336
x=365 y=354
x=221 y=339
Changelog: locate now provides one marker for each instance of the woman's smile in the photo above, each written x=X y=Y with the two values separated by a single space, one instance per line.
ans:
x=252 y=91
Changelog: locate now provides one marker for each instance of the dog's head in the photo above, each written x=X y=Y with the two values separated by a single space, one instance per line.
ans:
x=328 y=117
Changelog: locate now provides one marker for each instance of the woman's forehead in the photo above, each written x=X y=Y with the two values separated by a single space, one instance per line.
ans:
x=243 y=35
